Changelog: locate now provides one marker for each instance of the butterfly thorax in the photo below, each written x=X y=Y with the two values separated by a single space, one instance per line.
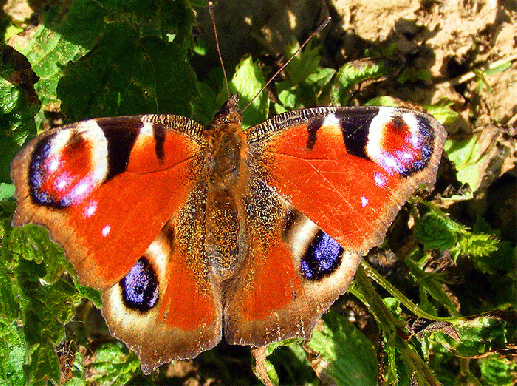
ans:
x=225 y=172
x=225 y=140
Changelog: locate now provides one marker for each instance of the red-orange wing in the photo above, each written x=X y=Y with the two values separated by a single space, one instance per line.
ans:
x=325 y=184
x=118 y=194
x=349 y=169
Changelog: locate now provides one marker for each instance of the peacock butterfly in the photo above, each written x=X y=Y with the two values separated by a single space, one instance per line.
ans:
x=193 y=233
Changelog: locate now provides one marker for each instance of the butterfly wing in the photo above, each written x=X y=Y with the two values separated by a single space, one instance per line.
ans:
x=327 y=183
x=119 y=194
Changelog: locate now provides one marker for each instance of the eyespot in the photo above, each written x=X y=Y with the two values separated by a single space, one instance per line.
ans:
x=140 y=286
x=68 y=165
x=401 y=143
x=322 y=257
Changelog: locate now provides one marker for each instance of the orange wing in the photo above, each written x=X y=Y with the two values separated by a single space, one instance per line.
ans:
x=325 y=185
x=119 y=194
x=349 y=169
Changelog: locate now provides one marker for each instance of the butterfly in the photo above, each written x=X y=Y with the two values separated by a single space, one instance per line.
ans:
x=193 y=232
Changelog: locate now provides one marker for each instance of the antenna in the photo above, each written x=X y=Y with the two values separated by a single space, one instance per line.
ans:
x=320 y=27
x=212 y=17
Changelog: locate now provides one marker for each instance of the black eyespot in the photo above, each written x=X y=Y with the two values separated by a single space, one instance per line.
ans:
x=322 y=257
x=140 y=286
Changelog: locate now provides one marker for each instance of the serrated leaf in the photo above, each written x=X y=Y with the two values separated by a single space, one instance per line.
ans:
x=44 y=364
x=89 y=293
x=126 y=75
x=320 y=77
x=47 y=308
x=32 y=242
x=61 y=40
x=498 y=370
x=430 y=284
x=247 y=81
x=348 y=356
x=114 y=365
x=16 y=121
x=391 y=372
x=9 y=290
x=479 y=335
x=503 y=259
x=13 y=354
x=303 y=64
x=352 y=74
x=48 y=52
x=435 y=232
x=304 y=81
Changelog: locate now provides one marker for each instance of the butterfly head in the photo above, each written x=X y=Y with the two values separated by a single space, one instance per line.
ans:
x=229 y=113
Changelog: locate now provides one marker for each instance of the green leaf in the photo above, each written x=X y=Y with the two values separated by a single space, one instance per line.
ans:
x=127 y=75
x=17 y=111
x=6 y=191
x=13 y=351
x=498 y=370
x=48 y=52
x=89 y=293
x=305 y=79
x=114 y=365
x=9 y=290
x=431 y=284
x=442 y=112
x=31 y=242
x=205 y=106
x=129 y=67
x=289 y=359
x=348 y=356
x=47 y=307
x=78 y=372
x=44 y=364
x=437 y=231
x=352 y=74
x=43 y=308
x=480 y=335
x=247 y=81
x=304 y=64
x=469 y=158
x=412 y=74
x=384 y=100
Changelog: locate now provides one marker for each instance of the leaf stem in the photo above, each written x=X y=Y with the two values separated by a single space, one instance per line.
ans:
x=374 y=275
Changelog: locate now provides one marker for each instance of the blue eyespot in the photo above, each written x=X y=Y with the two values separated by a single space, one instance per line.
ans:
x=140 y=286
x=322 y=257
